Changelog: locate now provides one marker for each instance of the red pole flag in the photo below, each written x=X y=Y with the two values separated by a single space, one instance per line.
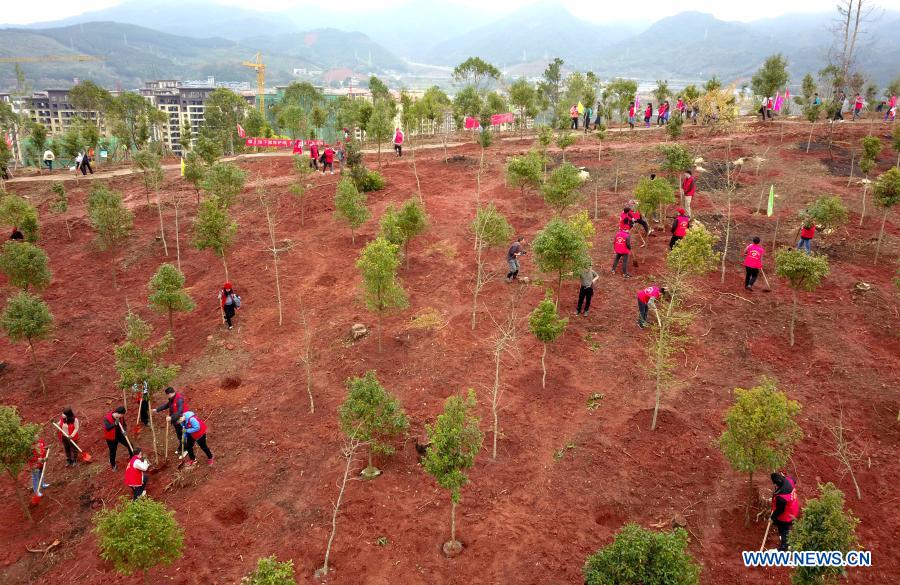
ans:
x=240 y=130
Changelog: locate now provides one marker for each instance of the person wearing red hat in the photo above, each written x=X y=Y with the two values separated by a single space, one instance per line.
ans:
x=679 y=227
x=231 y=302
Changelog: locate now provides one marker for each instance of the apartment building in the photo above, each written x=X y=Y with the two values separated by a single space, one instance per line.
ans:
x=52 y=108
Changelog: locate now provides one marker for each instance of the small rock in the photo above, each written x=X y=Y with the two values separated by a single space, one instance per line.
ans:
x=209 y=338
x=358 y=330
x=679 y=521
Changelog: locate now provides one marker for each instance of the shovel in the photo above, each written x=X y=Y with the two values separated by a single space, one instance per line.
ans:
x=36 y=498
x=766 y=535
x=130 y=448
x=86 y=457
x=768 y=289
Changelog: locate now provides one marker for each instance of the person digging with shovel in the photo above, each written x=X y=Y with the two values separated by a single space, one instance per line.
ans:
x=141 y=396
x=176 y=404
x=195 y=431
x=38 y=463
x=646 y=298
x=135 y=478
x=785 y=507
x=622 y=248
x=114 y=433
x=753 y=256
x=68 y=435
x=680 y=227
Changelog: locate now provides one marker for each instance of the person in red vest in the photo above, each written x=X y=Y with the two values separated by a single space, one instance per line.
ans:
x=636 y=218
x=625 y=221
x=753 y=256
x=329 y=161
x=398 y=141
x=314 y=155
x=785 y=507
x=631 y=115
x=230 y=301
x=648 y=113
x=679 y=106
x=661 y=114
x=646 y=298
x=176 y=404
x=680 y=227
x=113 y=431
x=70 y=426
x=688 y=190
x=807 y=232
x=141 y=395
x=857 y=107
x=622 y=248
x=134 y=473
x=38 y=457
x=196 y=433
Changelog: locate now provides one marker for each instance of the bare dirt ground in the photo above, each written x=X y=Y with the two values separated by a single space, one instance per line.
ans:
x=528 y=517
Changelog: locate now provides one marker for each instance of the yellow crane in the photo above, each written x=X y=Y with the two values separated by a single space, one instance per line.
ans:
x=49 y=58
x=260 y=81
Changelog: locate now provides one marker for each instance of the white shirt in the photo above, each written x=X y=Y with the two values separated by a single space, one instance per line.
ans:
x=142 y=465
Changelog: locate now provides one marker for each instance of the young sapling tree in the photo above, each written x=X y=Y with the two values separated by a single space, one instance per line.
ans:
x=871 y=148
x=382 y=290
x=600 y=136
x=224 y=181
x=641 y=556
x=546 y=325
x=167 y=294
x=60 y=204
x=886 y=194
x=110 y=219
x=153 y=176
x=374 y=416
x=564 y=140
x=25 y=265
x=525 y=172
x=562 y=188
x=760 y=432
x=561 y=248
x=491 y=229
x=214 y=230
x=350 y=206
x=825 y=525
x=269 y=571
x=300 y=189
x=804 y=272
x=27 y=318
x=348 y=451
x=270 y=208
x=16 y=444
x=455 y=441
x=504 y=341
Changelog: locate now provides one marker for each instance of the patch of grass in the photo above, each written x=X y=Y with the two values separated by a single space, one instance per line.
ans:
x=561 y=452
x=381 y=541
x=428 y=318
x=444 y=248
x=592 y=344
x=593 y=401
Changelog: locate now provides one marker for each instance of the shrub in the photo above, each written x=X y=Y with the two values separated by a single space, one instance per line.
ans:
x=823 y=526
x=271 y=572
x=25 y=265
x=638 y=556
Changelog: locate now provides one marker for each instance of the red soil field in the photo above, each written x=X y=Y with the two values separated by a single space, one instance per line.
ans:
x=528 y=517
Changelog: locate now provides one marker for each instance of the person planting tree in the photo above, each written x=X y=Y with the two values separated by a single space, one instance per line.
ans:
x=135 y=476
x=680 y=227
x=807 y=232
x=195 y=430
x=39 y=454
x=785 y=507
x=622 y=249
x=753 y=258
x=176 y=405
x=68 y=427
x=646 y=298
x=114 y=426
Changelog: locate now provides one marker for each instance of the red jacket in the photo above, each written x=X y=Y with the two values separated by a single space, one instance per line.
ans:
x=314 y=151
x=109 y=427
x=807 y=233
x=689 y=186
x=625 y=221
x=648 y=112
x=134 y=477
x=329 y=155
x=38 y=453
x=631 y=111
x=68 y=428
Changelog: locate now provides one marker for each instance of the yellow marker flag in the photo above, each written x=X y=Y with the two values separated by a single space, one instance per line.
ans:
x=771 y=208
x=580 y=108
x=182 y=166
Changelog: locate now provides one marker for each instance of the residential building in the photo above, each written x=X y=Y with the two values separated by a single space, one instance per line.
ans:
x=51 y=108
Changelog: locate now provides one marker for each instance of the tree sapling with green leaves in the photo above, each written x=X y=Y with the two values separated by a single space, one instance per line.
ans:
x=825 y=525
x=374 y=416
x=561 y=190
x=887 y=194
x=225 y=181
x=153 y=176
x=455 y=441
x=564 y=140
x=871 y=148
x=110 y=219
x=560 y=248
x=167 y=294
x=525 y=172
x=25 y=265
x=646 y=557
x=350 y=206
x=60 y=204
x=269 y=571
x=804 y=272
x=546 y=325
x=16 y=445
x=300 y=189
x=760 y=432
x=491 y=229
x=138 y=535
x=214 y=230
x=383 y=292
x=27 y=318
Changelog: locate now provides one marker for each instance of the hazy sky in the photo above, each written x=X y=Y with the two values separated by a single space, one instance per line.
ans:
x=19 y=12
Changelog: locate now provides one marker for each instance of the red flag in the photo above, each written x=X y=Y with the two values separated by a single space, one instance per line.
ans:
x=8 y=139
x=240 y=130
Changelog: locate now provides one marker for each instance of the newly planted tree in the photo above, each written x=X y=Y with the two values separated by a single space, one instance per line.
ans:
x=638 y=556
x=138 y=535
x=564 y=140
x=546 y=325
x=25 y=265
x=195 y=171
x=760 y=432
x=887 y=194
x=379 y=127
x=871 y=148
x=16 y=443
x=224 y=181
x=17 y=211
x=154 y=177
x=560 y=248
x=110 y=219
x=561 y=190
x=491 y=229
x=525 y=172
x=399 y=227
x=350 y=206
x=374 y=416
x=269 y=571
x=27 y=318
x=138 y=361
x=828 y=212
x=653 y=195
x=811 y=112
x=300 y=189
x=804 y=272
x=167 y=294
x=825 y=525
x=214 y=230
x=348 y=450
x=455 y=441
x=504 y=342
x=382 y=290
x=599 y=136
x=60 y=204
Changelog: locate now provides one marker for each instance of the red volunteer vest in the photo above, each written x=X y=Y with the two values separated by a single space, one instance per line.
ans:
x=625 y=221
x=807 y=233
x=202 y=430
x=619 y=243
x=684 y=223
x=134 y=477
x=791 y=506
x=68 y=428
x=753 y=256
x=184 y=403
x=109 y=435
x=645 y=294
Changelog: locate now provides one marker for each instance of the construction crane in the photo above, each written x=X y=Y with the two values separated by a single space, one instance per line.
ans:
x=50 y=58
x=260 y=81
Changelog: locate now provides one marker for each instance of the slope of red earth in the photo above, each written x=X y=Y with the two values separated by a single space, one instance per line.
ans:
x=529 y=516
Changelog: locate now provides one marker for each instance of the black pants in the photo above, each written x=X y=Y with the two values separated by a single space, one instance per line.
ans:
x=326 y=166
x=136 y=491
x=114 y=445
x=314 y=163
x=178 y=431
x=643 y=222
x=229 y=314
x=49 y=164
x=202 y=443
x=674 y=241
x=784 y=529
x=399 y=149
x=750 y=278
x=85 y=167
x=145 y=412
x=624 y=259
x=642 y=313
x=585 y=293
x=71 y=451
